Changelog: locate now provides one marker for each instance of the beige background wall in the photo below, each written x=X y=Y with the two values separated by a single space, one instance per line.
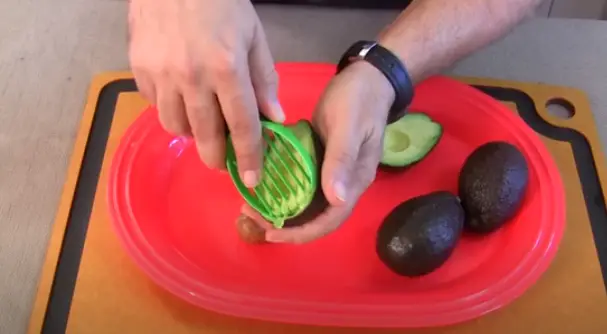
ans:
x=579 y=9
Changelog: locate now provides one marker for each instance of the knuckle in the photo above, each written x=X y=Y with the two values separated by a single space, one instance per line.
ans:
x=207 y=135
x=243 y=130
x=245 y=154
x=224 y=66
x=211 y=153
x=145 y=89
x=271 y=77
x=205 y=130
x=189 y=74
x=192 y=72
x=146 y=93
x=248 y=152
x=173 y=126
x=140 y=62
x=344 y=157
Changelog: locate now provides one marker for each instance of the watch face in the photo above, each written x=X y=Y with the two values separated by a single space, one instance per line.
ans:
x=371 y=4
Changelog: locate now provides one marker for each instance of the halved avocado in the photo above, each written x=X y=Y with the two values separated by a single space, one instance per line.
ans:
x=305 y=192
x=409 y=140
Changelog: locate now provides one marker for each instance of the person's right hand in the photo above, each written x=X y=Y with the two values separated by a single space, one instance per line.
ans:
x=202 y=62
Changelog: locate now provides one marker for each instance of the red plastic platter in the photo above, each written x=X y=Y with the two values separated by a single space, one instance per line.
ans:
x=176 y=219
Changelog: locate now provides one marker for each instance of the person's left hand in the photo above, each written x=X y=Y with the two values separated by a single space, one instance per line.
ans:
x=350 y=118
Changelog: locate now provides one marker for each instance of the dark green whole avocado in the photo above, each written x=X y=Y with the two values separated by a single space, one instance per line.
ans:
x=492 y=185
x=419 y=235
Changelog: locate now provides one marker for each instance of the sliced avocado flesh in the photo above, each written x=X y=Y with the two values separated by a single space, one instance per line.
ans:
x=285 y=189
x=410 y=139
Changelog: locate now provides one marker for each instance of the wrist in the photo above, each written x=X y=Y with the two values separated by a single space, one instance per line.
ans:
x=379 y=86
x=404 y=54
x=379 y=60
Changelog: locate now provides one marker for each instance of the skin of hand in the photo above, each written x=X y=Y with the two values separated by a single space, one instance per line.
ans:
x=205 y=64
x=428 y=36
x=431 y=35
x=350 y=118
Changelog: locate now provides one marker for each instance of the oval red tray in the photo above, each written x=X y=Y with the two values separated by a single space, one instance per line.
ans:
x=176 y=218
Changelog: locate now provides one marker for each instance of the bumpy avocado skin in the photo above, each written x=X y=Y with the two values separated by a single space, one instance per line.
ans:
x=319 y=203
x=420 y=234
x=492 y=186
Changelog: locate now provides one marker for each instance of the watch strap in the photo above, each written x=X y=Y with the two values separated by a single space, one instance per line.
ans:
x=390 y=66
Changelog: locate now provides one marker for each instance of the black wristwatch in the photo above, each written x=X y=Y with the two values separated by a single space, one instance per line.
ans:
x=392 y=68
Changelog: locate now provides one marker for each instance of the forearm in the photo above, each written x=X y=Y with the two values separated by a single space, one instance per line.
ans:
x=433 y=34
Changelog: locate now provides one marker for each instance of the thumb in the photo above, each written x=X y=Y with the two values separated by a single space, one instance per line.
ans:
x=264 y=77
x=341 y=154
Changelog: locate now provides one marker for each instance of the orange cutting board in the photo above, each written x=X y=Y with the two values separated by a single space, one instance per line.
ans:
x=89 y=284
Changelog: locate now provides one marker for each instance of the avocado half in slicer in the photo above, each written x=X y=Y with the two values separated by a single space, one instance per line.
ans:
x=289 y=193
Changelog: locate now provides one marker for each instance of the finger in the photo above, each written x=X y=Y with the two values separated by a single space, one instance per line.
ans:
x=368 y=160
x=264 y=77
x=145 y=85
x=341 y=154
x=248 y=211
x=324 y=224
x=172 y=112
x=239 y=107
x=207 y=124
x=334 y=216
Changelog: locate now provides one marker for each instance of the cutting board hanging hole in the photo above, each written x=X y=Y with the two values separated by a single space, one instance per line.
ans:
x=561 y=108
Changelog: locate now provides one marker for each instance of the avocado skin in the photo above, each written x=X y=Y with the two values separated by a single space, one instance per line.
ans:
x=420 y=234
x=319 y=202
x=492 y=186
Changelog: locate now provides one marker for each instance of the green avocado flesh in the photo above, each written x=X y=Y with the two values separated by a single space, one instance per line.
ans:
x=419 y=235
x=286 y=189
x=492 y=186
x=410 y=139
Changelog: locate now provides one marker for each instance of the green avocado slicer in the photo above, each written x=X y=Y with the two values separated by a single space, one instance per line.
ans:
x=289 y=175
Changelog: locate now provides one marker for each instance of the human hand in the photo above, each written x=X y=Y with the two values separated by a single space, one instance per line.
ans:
x=350 y=118
x=206 y=64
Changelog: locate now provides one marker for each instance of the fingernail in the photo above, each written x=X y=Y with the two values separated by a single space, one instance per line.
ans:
x=279 y=114
x=250 y=178
x=340 y=190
